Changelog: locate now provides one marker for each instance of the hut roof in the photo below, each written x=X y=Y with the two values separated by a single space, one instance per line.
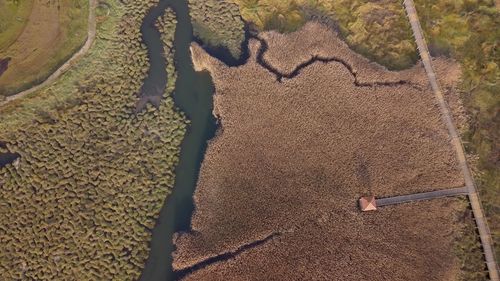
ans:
x=367 y=203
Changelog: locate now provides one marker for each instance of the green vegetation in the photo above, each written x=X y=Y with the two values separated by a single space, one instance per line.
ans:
x=36 y=49
x=218 y=24
x=102 y=10
x=468 y=31
x=166 y=25
x=92 y=175
x=14 y=15
x=284 y=16
x=468 y=247
x=378 y=30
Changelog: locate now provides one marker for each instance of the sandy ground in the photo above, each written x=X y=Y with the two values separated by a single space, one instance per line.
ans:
x=291 y=159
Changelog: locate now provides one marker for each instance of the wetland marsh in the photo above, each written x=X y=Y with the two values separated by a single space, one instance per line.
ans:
x=299 y=140
x=193 y=95
x=136 y=178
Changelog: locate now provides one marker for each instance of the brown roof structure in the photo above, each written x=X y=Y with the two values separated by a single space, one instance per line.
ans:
x=367 y=203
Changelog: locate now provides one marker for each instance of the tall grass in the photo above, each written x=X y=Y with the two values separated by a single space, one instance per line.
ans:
x=92 y=175
x=468 y=31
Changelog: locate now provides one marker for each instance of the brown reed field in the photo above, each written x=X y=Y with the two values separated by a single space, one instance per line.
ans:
x=276 y=197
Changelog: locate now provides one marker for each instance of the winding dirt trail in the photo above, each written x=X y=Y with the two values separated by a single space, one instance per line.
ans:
x=484 y=232
x=67 y=65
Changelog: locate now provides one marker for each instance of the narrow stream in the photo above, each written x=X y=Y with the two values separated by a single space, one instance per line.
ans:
x=193 y=95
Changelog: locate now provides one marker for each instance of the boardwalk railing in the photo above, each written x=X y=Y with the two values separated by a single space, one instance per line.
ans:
x=421 y=196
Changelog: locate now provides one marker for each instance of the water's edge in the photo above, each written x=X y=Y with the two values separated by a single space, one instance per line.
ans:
x=8 y=158
x=193 y=96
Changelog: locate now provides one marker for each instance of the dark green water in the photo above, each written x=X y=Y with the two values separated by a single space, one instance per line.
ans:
x=193 y=95
x=7 y=157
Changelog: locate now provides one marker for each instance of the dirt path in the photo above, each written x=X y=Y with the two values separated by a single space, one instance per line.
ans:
x=63 y=68
x=473 y=195
x=422 y=196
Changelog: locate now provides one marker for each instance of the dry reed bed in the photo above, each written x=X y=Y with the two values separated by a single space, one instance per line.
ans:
x=284 y=54
x=398 y=243
x=288 y=154
x=167 y=25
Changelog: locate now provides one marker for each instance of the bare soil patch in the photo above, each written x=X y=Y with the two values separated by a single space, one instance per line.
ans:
x=292 y=158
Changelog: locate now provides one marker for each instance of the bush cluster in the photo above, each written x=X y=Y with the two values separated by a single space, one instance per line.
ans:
x=217 y=23
x=91 y=179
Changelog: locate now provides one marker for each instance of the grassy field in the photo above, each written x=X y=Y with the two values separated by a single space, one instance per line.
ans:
x=377 y=29
x=14 y=15
x=218 y=24
x=468 y=31
x=38 y=39
x=66 y=91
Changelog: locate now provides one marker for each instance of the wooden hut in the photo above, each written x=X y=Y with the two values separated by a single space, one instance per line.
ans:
x=367 y=203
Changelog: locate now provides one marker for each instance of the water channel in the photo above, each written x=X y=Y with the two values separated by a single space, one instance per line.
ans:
x=193 y=95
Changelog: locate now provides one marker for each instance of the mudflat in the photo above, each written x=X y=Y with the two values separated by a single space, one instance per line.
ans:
x=278 y=188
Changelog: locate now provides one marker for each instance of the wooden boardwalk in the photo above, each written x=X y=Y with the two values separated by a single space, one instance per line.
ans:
x=484 y=232
x=421 y=196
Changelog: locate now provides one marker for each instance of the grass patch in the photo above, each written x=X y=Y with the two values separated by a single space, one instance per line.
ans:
x=14 y=15
x=71 y=86
x=41 y=48
x=468 y=247
x=378 y=30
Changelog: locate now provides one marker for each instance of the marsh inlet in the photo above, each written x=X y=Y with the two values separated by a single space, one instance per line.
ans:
x=4 y=64
x=193 y=95
x=8 y=158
